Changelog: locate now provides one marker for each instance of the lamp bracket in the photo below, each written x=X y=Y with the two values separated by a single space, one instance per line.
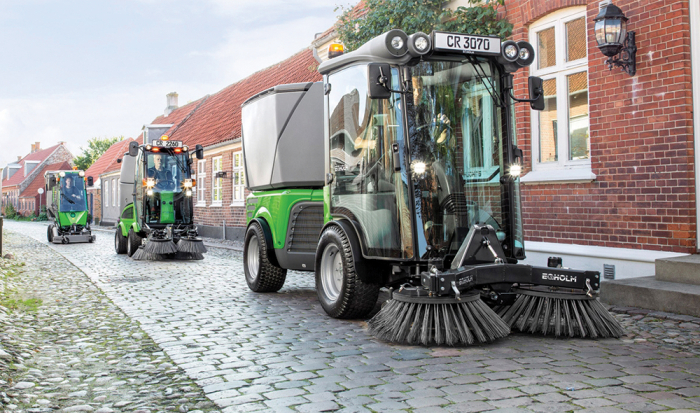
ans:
x=627 y=58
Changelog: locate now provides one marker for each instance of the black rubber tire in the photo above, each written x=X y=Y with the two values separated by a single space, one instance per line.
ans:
x=49 y=233
x=119 y=242
x=356 y=298
x=267 y=277
x=132 y=243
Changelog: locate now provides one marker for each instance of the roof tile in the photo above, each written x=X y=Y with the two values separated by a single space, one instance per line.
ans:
x=108 y=160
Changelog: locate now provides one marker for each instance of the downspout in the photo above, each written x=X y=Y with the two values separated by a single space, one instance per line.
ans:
x=695 y=63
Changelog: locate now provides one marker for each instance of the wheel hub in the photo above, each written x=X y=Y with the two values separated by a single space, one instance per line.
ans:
x=331 y=272
x=253 y=258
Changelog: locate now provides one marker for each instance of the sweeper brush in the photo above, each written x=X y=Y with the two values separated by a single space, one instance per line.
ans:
x=560 y=314
x=411 y=319
x=160 y=246
x=194 y=245
x=189 y=256
x=142 y=255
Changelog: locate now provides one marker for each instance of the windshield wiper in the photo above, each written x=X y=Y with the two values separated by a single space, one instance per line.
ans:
x=481 y=74
x=67 y=199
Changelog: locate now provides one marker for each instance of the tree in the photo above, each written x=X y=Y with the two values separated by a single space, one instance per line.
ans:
x=96 y=147
x=412 y=16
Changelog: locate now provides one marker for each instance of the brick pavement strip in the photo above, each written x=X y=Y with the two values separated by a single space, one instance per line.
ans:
x=280 y=352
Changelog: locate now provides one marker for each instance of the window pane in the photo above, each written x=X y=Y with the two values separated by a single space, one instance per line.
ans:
x=579 y=141
x=548 y=123
x=576 y=39
x=546 y=49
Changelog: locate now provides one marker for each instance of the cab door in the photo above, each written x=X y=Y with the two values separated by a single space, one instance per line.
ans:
x=369 y=184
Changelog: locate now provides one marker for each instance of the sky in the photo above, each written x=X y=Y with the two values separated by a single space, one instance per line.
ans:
x=71 y=70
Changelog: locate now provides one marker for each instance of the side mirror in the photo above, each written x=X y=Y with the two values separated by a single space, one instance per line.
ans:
x=199 y=151
x=379 y=80
x=133 y=148
x=90 y=181
x=536 y=90
x=52 y=182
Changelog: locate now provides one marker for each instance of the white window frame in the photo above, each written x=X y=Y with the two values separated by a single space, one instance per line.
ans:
x=563 y=169
x=201 y=182
x=238 y=171
x=217 y=184
x=105 y=196
x=114 y=192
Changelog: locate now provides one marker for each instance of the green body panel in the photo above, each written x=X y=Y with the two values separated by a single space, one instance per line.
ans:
x=125 y=224
x=167 y=211
x=274 y=207
x=66 y=219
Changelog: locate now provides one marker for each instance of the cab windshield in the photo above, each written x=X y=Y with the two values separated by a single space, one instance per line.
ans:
x=73 y=194
x=456 y=153
x=167 y=171
x=165 y=198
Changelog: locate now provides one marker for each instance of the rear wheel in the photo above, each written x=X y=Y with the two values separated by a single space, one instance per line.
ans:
x=49 y=233
x=132 y=243
x=260 y=274
x=119 y=241
x=340 y=290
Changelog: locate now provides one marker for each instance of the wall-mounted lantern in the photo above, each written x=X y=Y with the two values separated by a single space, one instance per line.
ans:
x=614 y=39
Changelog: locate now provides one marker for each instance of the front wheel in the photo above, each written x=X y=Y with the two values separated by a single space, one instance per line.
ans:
x=132 y=243
x=261 y=275
x=49 y=233
x=340 y=290
x=119 y=242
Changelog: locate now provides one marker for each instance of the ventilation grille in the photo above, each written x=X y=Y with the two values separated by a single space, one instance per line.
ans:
x=306 y=224
x=608 y=271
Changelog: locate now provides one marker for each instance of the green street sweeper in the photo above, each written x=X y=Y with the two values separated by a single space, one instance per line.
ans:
x=156 y=190
x=400 y=170
x=66 y=207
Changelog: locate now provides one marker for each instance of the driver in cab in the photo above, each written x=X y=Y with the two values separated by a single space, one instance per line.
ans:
x=160 y=173
x=69 y=193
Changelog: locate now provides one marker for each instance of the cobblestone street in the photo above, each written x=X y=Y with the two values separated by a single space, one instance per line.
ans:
x=207 y=334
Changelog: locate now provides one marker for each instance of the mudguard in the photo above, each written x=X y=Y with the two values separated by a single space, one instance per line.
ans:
x=268 y=239
x=360 y=263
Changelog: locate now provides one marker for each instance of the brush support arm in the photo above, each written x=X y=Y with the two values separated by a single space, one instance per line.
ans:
x=468 y=277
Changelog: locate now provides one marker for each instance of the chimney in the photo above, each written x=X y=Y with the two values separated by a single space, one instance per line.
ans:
x=171 y=100
x=36 y=147
x=19 y=158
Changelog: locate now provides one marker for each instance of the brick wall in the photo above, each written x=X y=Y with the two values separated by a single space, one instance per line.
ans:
x=96 y=203
x=215 y=215
x=641 y=138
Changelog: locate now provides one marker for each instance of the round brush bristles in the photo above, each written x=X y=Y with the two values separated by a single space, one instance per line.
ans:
x=452 y=324
x=572 y=315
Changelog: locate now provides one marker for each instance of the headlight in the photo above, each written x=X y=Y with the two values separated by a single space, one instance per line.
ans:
x=81 y=173
x=61 y=174
x=526 y=55
x=188 y=192
x=185 y=148
x=509 y=51
x=187 y=183
x=418 y=168
x=150 y=182
x=397 y=42
x=149 y=192
x=516 y=169
x=418 y=44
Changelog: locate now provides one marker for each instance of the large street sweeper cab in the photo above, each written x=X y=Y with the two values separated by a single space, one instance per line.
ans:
x=156 y=190
x=66 y=207
x=401 y=170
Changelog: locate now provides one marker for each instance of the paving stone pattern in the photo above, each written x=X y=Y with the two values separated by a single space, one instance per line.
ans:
x=280 y=352
x=77 y=351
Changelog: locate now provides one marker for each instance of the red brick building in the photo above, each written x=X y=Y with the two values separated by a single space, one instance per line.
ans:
x=609 y=176
x=16 y=177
